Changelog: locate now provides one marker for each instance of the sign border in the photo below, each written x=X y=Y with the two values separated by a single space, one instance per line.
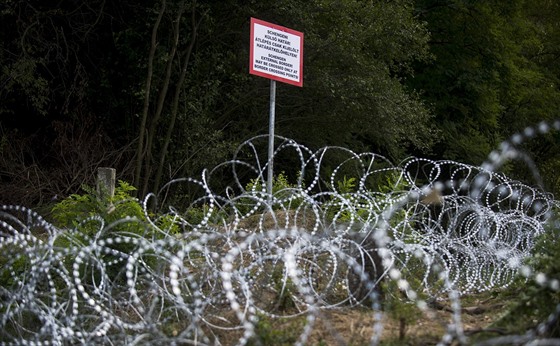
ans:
x=268 y=75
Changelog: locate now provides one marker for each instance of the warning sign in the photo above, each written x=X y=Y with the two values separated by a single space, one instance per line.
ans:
x=276 y=52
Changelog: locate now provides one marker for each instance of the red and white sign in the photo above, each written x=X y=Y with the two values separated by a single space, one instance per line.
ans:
x=276 y=52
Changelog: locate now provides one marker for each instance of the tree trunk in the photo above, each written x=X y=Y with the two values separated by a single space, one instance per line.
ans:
x=140 y=150
x=175 y=106
x=161 y=102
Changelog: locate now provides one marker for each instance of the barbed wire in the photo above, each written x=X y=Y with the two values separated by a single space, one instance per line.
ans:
x=331 y=240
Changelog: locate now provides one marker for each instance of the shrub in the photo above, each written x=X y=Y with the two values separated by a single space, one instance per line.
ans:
x=533 y=300
x=87 y=217
x=285 y=195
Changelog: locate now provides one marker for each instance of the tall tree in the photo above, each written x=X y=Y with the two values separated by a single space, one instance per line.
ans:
x=177 y=58
x=51 y=68
x=356 y=57
x=170 y=78
x=484 y=83
x=543 y=101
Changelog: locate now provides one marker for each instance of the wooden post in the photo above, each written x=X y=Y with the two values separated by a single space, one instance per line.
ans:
x=106 y=178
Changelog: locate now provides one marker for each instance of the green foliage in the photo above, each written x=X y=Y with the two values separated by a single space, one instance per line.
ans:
x=531 y=302
x=282 y=190
x=195 y=215
x=484 y=69
x=280 y=182
x=399 y=307
x=22 y=76
x=347 y=185
x=284 y=288
x=344 y=207
x=550 y=172
x=348 y=206
x=267 y=332
x=373 y=45
x=87 y=216
x=12 y=258
x=491 y=75
x=361 y=52
x=72 y=211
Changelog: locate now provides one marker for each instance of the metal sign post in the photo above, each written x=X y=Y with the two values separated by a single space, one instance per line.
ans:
x=270 y=177
x=276 y=53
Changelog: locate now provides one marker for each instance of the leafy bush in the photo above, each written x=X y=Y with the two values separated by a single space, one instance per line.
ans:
x=352 y=202
x=88 y=216
x=285 y=194
x=278 y=332
x=533 y=300
x=76 y=210
x=73 y=210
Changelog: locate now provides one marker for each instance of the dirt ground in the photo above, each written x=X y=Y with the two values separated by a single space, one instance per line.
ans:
x=354 y=326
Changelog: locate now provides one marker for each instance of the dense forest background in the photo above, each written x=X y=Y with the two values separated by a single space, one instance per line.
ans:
x=161 y=89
